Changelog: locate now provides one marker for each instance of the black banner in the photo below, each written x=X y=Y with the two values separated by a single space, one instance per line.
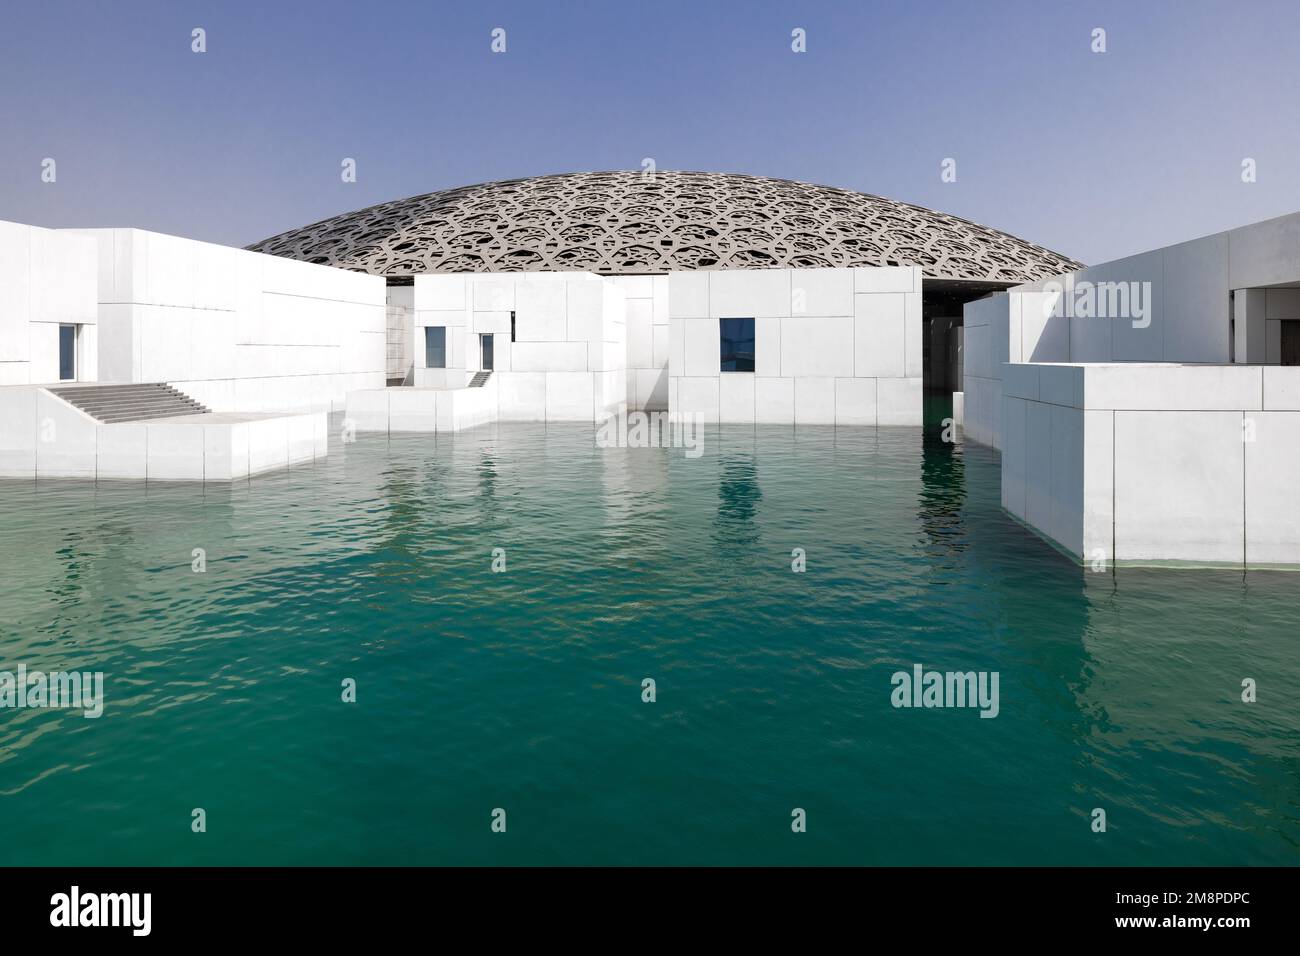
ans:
x=336 y=905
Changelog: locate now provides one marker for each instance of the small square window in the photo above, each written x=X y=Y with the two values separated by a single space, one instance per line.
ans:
x=737 y=345
x=435 y=346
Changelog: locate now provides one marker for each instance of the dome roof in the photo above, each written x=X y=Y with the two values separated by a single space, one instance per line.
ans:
x=619 y=223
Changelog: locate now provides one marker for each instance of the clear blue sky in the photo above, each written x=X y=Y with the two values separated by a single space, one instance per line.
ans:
x=1094 y=155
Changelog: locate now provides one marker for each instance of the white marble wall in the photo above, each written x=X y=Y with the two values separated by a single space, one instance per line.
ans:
x=1150 y=463
x=832 y=346
x=569 y=358
x=237 y=330
x=47 y=278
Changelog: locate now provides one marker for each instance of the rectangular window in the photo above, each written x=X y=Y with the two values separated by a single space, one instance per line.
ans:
x=512 y=326
x=737 y=345
x=435 y=346
x=67 y=352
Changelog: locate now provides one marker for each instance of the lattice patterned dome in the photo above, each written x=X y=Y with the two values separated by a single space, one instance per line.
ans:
x=620 y=223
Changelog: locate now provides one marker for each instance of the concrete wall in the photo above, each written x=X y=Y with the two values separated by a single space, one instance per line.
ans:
x=47 y=278
x=569 y=358
x=237 y=330
x=1140 y=464
x=832 y=346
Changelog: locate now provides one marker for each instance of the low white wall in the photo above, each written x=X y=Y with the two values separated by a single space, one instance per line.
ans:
x=42 y=436
x=47 y=278
x=569 y=358
x=1141 y=463
x=237 y=330
x=429 y=410
x=832 y=346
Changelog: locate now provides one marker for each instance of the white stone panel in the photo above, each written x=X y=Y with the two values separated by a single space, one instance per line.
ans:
x=175 y=452
x=886 y=279
x=1272 y=465
x=818 y=348
x=1099 y=485
x=268 y=445
x=688 y=295
x=367 y=409
x=821 y=292
x=774 y=400
x=1177 y=481
x=855 y=401
x=1173 y=387
x=659 y=347
x=697 y=396
x=703 y=347
x=570 y=396
x=122 y=451
x=412 y=409
x=640 y=335
x=767 y=346
x=541 y=311
x=1282 y=388
x=18 y=432
x=880 y=336
x=522 y=396
x=494 y=293
x=749 y=293
x=814 y=400
x=440 y=292
x=548 y=357
x=899 y=401
x=66 y=442
x=586 y=310
x=736 y=398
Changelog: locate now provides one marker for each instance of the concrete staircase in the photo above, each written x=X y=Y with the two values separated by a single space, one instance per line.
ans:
x=129 y=403
x=479 y=379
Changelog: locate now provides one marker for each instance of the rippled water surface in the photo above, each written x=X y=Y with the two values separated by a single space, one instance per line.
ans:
x=522 y=690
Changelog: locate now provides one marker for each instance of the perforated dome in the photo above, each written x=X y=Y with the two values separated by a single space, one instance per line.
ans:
x=621 y=223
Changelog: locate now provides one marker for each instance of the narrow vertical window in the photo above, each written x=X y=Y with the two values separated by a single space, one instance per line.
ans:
x=512 y=326
x=67 y=352
x=435 y=346
x=737 y=345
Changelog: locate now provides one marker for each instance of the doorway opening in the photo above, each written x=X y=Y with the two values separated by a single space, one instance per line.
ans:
x=485 y=352
x=1291 y=342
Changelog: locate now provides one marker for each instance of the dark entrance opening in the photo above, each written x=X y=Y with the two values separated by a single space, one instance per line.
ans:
x=943 y=340
x=1291 y=343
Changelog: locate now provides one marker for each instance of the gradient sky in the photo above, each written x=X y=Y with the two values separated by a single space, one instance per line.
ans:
x=1093 y=155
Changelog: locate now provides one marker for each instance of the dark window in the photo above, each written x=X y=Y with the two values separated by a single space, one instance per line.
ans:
x=67 y=352
x=737 y=345
x=512 y=326
x=486 y=346
x=435 y=346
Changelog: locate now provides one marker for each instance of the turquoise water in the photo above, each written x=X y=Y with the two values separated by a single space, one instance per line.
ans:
x=522 y=690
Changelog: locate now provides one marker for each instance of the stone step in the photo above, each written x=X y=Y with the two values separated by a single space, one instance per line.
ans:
x=129 y=402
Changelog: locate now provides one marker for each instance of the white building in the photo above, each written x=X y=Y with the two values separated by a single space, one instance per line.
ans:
x=1148 y=409
x=1145 y=408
